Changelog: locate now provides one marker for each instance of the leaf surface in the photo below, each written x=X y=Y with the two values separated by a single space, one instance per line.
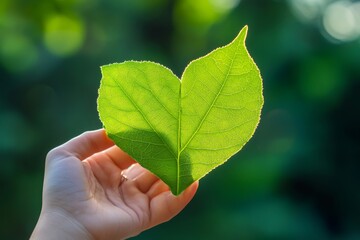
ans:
x=182 y=129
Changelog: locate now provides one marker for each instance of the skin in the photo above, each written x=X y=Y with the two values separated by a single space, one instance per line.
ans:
x=93 y=190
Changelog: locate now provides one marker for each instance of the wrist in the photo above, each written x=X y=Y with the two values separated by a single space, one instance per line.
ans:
x=59 y=225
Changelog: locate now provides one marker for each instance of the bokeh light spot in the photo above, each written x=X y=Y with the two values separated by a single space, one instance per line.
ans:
x=307 y=10
x=340 y=22
x=225 y=5
x=355 y=8
x=63 y=35
x=197 y=14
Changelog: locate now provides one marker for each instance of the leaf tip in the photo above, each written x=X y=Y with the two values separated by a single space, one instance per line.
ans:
x=243 y=33
x=245 y=28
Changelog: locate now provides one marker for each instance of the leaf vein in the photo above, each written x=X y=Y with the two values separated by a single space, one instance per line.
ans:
x=145 y=118
x=213 y=102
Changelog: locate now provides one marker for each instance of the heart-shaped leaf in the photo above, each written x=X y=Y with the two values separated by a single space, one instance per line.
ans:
x=182 y=129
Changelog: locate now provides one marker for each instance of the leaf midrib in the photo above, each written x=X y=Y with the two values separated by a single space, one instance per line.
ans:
x=180 y=148
x=178 y=143
x=213 y=102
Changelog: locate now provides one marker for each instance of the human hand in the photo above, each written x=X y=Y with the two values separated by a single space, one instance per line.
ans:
x=93 y=190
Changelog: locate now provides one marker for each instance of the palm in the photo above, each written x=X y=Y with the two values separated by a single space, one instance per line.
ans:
x=95 y=192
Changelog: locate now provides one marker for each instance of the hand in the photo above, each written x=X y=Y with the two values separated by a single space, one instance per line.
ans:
x=93 y=190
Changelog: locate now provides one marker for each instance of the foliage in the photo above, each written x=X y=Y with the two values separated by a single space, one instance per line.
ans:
x=182 y=129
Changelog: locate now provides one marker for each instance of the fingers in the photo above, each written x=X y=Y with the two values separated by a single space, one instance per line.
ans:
x=157 y=188
x=165 y=206
x=107 y=166
x=85 y=144
x=142 y=178
x=120 y=158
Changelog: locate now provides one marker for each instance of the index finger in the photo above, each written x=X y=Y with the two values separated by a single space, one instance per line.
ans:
x=86 y=144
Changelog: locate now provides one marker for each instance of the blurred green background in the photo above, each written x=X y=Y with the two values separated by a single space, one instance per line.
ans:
x=297 y=178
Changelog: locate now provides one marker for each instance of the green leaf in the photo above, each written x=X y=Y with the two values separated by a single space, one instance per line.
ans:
x=182 y=129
